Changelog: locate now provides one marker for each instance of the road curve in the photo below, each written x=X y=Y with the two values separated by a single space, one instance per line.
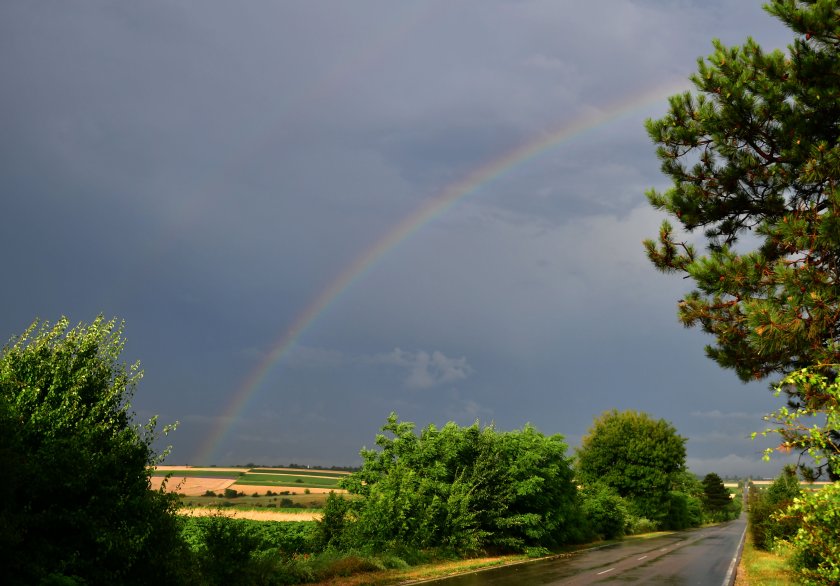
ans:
x=701 y=557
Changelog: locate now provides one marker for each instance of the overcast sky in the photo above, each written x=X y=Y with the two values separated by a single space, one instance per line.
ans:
x=244 y=184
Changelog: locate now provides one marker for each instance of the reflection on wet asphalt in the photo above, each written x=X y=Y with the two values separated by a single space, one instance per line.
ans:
x=699 y=557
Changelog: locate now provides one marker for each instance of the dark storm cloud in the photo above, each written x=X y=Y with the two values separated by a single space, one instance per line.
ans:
x=205 y=171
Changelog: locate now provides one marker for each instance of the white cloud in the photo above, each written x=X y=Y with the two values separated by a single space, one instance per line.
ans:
x=424 y=370
x=427 y=370
x=717 y=414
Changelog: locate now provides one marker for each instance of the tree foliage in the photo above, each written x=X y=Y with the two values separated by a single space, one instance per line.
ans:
x=816 y=543
x=464 y=488
x=718 y=503
x=767 y=521
x=716 y=496
x=79 y=507
x=810 y=425
x=754 y=159
x=639 y=457
x=604 y=510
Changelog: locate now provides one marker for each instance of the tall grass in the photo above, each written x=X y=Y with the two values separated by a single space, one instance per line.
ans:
x=765 y=568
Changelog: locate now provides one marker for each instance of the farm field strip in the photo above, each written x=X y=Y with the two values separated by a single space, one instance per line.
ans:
x=285 y=480
x=191 y=485
x=295 y=471
x=188 y=467
x=297 y=489
x=198 y=473
x=249 y=514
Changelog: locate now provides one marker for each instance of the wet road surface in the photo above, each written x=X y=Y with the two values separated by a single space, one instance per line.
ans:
x=699 y=557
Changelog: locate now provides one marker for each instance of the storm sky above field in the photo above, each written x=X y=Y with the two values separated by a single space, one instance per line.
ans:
x=311 y=214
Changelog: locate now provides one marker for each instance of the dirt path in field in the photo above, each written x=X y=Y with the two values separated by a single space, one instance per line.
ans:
x=254 y=515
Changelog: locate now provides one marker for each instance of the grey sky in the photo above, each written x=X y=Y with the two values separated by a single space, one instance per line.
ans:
x=203 y=170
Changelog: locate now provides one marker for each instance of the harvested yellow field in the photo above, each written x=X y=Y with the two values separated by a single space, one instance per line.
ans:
x=253 y=515
x=192 y=485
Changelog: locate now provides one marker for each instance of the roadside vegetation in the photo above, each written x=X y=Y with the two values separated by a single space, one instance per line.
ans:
x=764 y=568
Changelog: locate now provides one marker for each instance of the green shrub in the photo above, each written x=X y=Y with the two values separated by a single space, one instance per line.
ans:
x=639 y=525
x=816 y=543
x=677 y=518
x=463 y=488
x=76 y=503
x=242 y=551
x=331 y=526
x=767 y=521
x=604 y=511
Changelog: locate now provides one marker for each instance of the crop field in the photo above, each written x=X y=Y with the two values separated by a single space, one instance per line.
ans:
x=301 y=472
x=192 y=481
x=288 y=480
x=280 y=502
x=810 y=486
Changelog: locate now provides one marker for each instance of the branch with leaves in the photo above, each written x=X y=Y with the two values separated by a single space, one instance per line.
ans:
x=811 y=424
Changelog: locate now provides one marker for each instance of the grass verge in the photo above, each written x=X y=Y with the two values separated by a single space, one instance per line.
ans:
x=422 y=572
x=763 y=568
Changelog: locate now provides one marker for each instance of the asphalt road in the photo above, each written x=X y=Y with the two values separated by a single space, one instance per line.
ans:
x=701 y=557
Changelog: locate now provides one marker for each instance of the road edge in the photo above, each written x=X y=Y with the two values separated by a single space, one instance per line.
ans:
x=732 y=572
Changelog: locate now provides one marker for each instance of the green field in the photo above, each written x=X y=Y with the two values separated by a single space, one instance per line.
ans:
x=278 y=503
x=300 y=472
x=288 y=479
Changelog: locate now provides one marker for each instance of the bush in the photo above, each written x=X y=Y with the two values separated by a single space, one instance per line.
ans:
x=639 y=525
x=677 y=518
x=241 y=551
x=604 y=511
x=333 y=522
x=816 y=543
x=66 y=421
x=463 y=488
x=767 y=522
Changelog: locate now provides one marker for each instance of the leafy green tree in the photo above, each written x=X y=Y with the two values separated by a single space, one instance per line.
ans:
x=753 y=155
x=689 y=485
x=639 y=457
x=716 y=497
x=464 y=488
x=79 y=508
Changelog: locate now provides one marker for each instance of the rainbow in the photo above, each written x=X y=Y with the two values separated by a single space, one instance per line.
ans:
x=432 y=208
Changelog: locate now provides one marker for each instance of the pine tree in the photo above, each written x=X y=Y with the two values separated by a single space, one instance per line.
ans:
x=754 y=158
x=716 y=497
